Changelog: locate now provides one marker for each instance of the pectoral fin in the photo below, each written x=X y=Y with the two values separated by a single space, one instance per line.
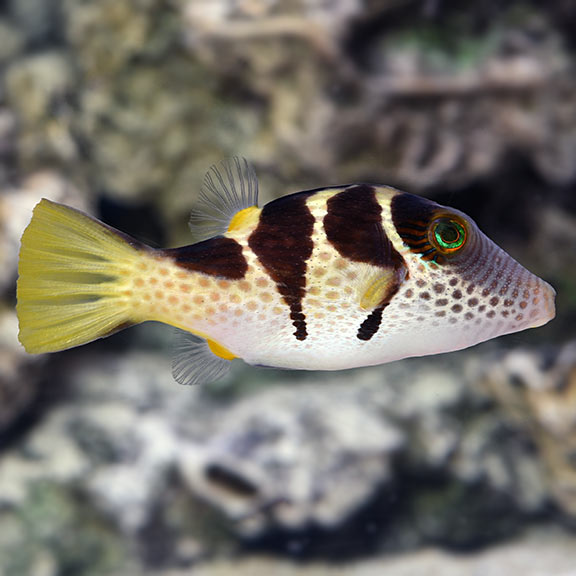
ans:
x=376 y=290
x=377 y=286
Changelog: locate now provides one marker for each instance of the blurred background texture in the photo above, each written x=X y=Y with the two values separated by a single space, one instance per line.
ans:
x=453 y=465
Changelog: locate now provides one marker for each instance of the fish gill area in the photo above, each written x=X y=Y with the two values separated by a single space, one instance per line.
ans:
x=452 y=465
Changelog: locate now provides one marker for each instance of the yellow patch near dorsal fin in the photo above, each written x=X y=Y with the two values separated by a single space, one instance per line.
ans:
x=228 y=199
x=244 y=219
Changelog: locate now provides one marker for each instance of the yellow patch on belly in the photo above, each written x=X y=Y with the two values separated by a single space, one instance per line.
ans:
x=219 y=350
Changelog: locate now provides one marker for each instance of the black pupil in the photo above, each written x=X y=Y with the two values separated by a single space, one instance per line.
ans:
x=449 y=233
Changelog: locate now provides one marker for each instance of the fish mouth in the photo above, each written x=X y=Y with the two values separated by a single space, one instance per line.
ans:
x=548 y=305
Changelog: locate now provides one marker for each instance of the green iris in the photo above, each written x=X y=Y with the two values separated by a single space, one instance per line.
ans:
x=449 y=234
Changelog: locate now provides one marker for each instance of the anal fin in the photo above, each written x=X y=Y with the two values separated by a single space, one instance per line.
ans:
x=197 y=361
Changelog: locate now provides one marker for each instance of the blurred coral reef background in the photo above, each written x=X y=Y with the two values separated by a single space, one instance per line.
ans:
x=452 y=465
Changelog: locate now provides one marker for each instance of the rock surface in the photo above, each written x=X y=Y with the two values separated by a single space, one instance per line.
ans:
x=390 y=452
x=540 y=554
x=16 y=205
x=538 y=394
x=288 y=458
x=19 y=373
x=108 y=467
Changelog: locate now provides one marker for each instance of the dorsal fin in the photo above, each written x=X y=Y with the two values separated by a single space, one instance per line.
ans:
x=194 y=360
x=228 y=188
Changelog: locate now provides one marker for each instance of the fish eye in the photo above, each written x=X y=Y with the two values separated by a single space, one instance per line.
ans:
x=448 y=235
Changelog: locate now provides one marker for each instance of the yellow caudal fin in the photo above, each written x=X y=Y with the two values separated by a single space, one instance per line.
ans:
x=73 y=284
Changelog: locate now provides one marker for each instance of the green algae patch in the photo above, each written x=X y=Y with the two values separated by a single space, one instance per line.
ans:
x=56 y=531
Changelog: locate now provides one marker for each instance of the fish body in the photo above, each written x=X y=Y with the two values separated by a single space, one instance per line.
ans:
x=326 y=279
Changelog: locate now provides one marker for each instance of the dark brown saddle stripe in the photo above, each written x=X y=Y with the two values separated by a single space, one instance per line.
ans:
x=218 y=256
x=353 y=225
x=283 y=243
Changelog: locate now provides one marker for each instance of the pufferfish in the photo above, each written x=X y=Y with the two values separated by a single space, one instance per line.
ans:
x=324 y=279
